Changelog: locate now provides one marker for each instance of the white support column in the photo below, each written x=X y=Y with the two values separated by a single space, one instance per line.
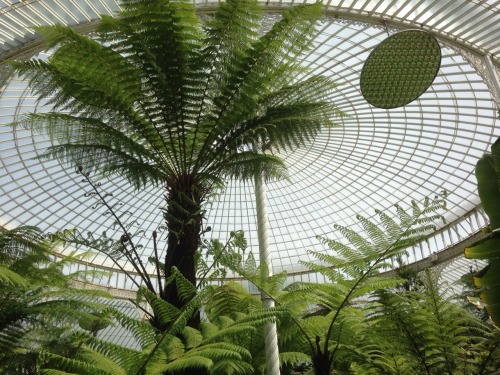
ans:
x=270 y=332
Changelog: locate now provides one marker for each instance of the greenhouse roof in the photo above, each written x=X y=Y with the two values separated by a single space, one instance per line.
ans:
x=374 y=159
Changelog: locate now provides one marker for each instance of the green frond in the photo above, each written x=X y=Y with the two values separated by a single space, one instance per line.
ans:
x=375 y=283
x=165 y=311
x=141 y=330
x=315 y=325
x=70 y=365
x=391 y=227
x=276 y=282
x=388 y=240
x=119 y=357
x=189 y=363
x=283 y=124
x=185 y=288
x=102 y=361
x=9 y=277
x=261 y=316
x=97 y=146
x=242 y=352
x=428 y=330
x=293 y=358
x=55 y=372
x=58 y=34
x=310 y=91
x=329 y=295
x=250 y=264
x=190 y=308
x=378 y=237
x=230 y=299
x=82 y=75
x=340 y=256
x=330 y=271
x=208 y=329
x=23 y=241
x=191 y=337
x=214 y=353
x=167 y=39
x=246 y=165
x=11 y=334
x=286 y=39
x=231 y=367
x=265 y=68
x=231 y=33
x=229 y=332
x=364 y=247
x=223 y=322
x=174 y=348
x=405 y=219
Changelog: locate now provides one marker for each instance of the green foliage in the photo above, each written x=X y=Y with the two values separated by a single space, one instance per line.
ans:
x=353 y=324
x=39 y=305
x=427 y=331
x=219 y=347
x=155 y=94
x=231 y=299
x=380 y=242
x=488 y=279
x=488 y=183
x=324 y=320
x=231 y=304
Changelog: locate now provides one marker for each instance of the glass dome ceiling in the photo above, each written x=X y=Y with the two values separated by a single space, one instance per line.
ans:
x=375 y=158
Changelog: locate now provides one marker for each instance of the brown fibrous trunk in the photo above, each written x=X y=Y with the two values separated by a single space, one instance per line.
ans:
x=183 y=217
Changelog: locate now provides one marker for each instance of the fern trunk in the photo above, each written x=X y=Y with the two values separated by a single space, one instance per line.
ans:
x=322 y=367
x=321 y=362
x=183 y=217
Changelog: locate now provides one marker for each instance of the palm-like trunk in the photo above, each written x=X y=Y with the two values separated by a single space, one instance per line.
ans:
x=183 y=217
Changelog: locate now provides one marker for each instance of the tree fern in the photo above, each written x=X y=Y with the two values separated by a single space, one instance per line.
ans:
x=429 y=331
x=158 y=97
x=36 y=310
x=325 y=315
x=229 y=300
x=185 y=350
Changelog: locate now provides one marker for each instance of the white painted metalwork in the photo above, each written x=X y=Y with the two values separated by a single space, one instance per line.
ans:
x=270 y=330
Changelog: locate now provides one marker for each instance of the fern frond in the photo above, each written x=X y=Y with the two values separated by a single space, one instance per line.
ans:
x=174 y=348
x=23 y=241
x=73 y=366
x=363 y=246
x=428 y=330
x=189 y=363
x=230 y=299
x=163 y=310
x=141 y=330
x=378 y=237
x=191 y=337
x=9 y=277
x=246 y=165
x=228 y=332
x=294 y=358
x=102 y=361
x=230 y=367
x=185 y=288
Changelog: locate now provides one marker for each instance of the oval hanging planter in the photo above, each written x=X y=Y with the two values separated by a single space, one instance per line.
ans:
x=400 y=69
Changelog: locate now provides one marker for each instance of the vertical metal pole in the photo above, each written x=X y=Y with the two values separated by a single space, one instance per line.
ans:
x=270 y=332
